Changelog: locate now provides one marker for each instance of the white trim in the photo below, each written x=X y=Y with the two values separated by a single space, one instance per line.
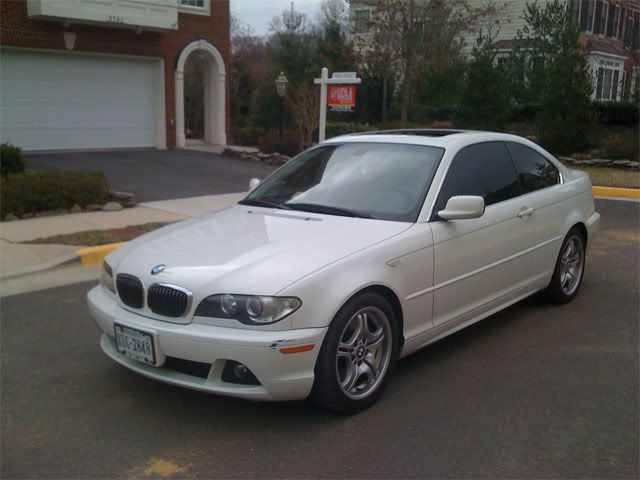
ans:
x=595 y=53
x=160 y=92
x=215 y=95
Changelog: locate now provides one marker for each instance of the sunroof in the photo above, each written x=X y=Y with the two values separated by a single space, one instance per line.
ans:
x=421 y=132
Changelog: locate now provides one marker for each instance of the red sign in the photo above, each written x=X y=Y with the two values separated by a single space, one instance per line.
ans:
x=341 y=98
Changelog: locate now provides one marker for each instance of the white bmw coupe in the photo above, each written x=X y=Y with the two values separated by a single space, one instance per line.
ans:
x=357 y=252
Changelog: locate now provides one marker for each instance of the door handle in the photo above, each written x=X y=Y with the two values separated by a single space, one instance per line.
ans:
x=526 y=212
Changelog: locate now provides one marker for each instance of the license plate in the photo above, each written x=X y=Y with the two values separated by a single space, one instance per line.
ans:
x=135 y=344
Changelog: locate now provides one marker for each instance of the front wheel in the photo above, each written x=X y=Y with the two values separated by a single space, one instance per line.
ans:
x=569 y=270
x=357 y=355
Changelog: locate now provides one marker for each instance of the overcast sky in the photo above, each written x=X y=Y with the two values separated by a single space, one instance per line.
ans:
x=258 y=13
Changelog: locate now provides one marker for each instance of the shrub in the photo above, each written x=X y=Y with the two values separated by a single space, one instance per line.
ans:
x=247 y=135
x=617 y=113
x=343 y=128
x=525 y=112
x=10 y=159
x=620 y=145
x=33 y=192
x=289 y=145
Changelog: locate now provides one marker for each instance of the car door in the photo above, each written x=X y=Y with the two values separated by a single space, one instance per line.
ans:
x=539 y=181
x=483 y=262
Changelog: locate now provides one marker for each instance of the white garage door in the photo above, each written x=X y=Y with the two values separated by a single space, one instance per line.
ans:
x=75 y=101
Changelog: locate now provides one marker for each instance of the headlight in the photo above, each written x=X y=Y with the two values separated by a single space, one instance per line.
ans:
x=249 y=309
x=106 y=280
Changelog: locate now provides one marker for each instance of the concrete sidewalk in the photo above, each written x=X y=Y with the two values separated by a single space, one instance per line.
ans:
x=162 y=211
x=19 y=259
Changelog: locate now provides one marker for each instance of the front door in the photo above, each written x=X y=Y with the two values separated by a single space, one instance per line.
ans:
x=480 y=263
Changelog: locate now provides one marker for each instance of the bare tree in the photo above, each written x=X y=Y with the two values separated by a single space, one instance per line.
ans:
x=424 y=34
x=304 y=103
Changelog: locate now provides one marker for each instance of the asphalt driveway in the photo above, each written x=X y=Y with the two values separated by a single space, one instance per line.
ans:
x=535 y=391
x=158 y=174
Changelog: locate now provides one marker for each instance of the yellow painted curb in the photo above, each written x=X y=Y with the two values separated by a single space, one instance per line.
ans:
x=616 y=192
x=93 y=255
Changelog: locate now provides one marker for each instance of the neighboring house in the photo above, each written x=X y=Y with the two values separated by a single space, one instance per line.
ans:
x=86 y=74
x=610 y=35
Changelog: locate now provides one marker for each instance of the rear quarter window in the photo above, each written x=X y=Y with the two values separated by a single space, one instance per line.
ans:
x=535 y=172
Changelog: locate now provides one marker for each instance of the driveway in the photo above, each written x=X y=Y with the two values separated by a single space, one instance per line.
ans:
x=158 y=174
x=535 y=391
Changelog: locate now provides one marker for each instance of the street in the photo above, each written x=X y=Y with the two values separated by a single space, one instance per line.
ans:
x=535 y=391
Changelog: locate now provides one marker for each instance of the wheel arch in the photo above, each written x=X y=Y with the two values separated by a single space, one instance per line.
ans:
x=582 y=228
x=391 y=297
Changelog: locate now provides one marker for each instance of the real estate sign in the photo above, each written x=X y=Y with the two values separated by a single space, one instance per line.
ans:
x=342 y=98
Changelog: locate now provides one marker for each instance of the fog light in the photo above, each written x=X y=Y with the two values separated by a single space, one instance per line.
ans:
x=241 y=371
x=236 y=372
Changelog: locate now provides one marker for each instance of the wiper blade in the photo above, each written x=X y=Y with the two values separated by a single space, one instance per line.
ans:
x=262 y=203
x=316 y=208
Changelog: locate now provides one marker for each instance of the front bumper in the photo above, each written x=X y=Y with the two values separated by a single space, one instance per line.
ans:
x=281 y=376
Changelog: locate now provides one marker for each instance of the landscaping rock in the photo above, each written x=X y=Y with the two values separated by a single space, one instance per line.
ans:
x=60 y=211
x=45 y=213
x=125 y=196
x=92 y=207
x=26 y=216
x=75 y=209
x=111 y=207
x=10 y=217
x=128 y=204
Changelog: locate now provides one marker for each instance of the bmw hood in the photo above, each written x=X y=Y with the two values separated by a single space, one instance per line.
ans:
x=246 y=249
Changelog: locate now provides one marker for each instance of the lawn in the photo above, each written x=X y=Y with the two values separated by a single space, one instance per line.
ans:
x=612 y=177
x=91 y=238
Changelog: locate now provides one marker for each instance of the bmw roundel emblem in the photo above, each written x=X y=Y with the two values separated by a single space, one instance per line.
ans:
x=158 y=269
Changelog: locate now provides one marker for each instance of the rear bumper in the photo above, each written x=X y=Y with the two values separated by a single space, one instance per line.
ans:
x=281 y=376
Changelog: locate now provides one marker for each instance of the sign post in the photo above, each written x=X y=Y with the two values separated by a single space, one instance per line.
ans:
x=338 y=78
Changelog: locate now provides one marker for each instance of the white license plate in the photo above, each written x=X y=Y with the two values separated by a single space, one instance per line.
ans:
x=135 y=344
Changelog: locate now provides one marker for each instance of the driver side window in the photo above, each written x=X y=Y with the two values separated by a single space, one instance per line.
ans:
x=484 y=169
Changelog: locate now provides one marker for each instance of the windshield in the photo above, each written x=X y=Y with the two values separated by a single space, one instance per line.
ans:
x=373 y=180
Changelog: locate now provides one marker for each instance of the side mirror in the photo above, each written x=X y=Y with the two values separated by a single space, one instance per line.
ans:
x=462 y=207
x=253 y=183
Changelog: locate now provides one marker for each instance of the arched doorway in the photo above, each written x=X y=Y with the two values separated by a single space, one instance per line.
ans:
x=214 y=94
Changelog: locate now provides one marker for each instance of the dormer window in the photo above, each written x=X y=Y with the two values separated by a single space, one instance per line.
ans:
x=201 y=7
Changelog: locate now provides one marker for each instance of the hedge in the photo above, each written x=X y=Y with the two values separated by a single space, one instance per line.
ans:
x=10 y=159
x=336 y=129
x=247 y=135
x=617 y=113
x=33 y=192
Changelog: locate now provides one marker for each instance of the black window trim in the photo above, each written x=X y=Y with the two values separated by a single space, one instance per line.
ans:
x=433 y=216
x=560 y=176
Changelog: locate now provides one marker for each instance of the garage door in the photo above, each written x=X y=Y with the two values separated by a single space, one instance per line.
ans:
x=73 y=101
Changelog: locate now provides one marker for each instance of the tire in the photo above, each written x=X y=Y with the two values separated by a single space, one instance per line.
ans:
x=352 y=379
x=563 y=290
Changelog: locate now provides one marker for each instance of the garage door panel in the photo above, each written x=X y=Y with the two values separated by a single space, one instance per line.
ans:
x=60 y=101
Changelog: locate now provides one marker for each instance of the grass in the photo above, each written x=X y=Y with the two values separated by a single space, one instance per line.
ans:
x=611 y=177
x=92 y=238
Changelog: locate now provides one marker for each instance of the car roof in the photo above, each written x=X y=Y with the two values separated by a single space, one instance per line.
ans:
x=434 y=137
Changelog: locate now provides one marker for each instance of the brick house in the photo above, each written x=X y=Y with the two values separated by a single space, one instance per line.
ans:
x=81 y=74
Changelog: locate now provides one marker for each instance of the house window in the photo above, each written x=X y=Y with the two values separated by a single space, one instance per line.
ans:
x=607 y=84
x=614 y=22
x=196 y=6
x=586 y=16
x=575 y=11
x=600 y=24
x=361 y=20
x=628 y=33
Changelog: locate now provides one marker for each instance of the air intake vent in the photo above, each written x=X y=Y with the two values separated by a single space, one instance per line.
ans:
x=130 y=290
x=168 y=301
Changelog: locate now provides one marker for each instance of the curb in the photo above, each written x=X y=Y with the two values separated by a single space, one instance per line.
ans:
x=94 y=255
x=56 y=262
x=615 y=192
